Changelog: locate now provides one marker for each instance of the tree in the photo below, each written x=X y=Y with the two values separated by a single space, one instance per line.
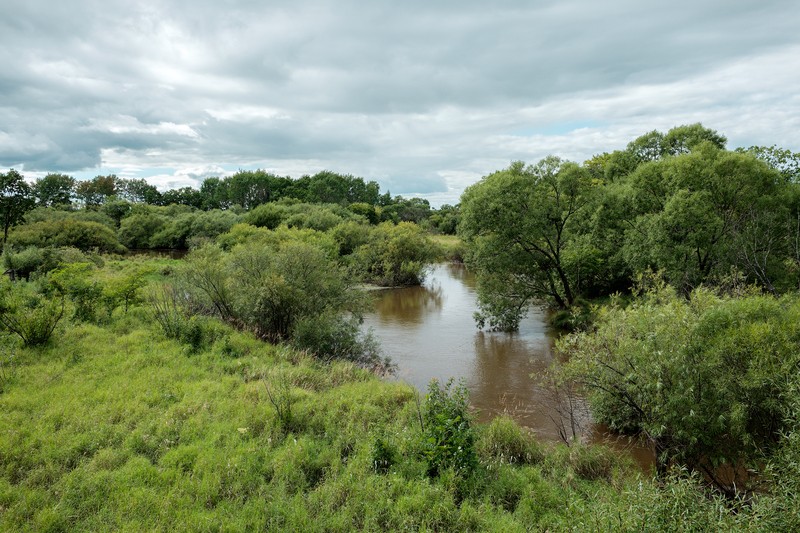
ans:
x=54 y=190
x=784 y=161
x=138 y=191
x=703 y=379
x=522 y=227
x=691 y=214
x=95 y=191
x=16 y=199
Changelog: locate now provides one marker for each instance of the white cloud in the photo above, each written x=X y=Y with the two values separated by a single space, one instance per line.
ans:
x=423 y=97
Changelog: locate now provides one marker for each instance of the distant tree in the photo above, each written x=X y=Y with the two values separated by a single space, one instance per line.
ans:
x=214 y=192
x=16 y=199
x=249 y=188
x=95 y=191
x=684 y=139
x=183 y=196
x=138 y=191
x=54 y=190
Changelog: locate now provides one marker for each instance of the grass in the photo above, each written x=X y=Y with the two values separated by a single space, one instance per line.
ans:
x=116 y=427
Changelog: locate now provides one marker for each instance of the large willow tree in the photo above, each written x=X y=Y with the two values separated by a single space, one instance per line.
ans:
x=526 y=231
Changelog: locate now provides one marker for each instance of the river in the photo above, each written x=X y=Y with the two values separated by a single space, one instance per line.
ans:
x=429 y=333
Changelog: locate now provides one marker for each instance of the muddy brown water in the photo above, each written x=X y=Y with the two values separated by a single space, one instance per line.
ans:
x=429 y=333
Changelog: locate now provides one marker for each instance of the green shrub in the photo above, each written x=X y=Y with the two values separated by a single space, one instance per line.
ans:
x=76 y=281
x=333 y=336
x=396 y=255
x=23 y=263
x=382 y=455
x=28 y=314
x=84 y=235
x=448 y=438
x=137 y=230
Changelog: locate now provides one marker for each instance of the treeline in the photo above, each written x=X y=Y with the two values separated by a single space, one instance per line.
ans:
x=239 y=192
x=678 y=203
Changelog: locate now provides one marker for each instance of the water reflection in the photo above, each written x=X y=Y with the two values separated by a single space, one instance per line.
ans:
x=429 y=333
x=409 y=305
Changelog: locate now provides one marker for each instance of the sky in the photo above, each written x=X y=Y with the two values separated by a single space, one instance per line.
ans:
x=423 y=97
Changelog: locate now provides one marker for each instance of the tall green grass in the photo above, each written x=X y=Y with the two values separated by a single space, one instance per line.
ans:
x=116 y=427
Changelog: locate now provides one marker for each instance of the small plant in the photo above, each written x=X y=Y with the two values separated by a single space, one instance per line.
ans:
x=168 y=310
x=383 y=455
x=280 y=396
x=449 y=441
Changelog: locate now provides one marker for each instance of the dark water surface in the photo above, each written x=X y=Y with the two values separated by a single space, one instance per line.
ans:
x=429 y=332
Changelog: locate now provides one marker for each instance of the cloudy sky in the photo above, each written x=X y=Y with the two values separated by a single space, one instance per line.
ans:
x=424 y=97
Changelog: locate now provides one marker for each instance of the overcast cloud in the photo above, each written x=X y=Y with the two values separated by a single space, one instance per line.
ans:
x=424 y=97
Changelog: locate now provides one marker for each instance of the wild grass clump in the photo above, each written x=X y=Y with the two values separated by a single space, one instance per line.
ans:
x=503 y=441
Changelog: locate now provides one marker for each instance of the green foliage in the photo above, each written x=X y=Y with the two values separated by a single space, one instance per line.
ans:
x=704 y=380
x=137 y=230
x=449 y=441
x=349 y=236
x=676 y=202
x=28 y=314
x=54 y=190
x=67 y=232
x=522 y=227
x=268 y=216
x=503 y=441
x=193 y=227
x=383 y=454
x=273 y=292
x=332 y=336
x=396 y=255
x=77 y=282
x=23 y=263
x=94 y=192
x=16 y=199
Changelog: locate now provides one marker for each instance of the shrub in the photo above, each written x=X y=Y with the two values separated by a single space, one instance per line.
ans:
x=333 y=336
x=396 y=255
x=76 y=282
x=448 y=438
x=28 y=314
x=23 y=263
x=67 y=232
x=704 y=379
x=137 y=230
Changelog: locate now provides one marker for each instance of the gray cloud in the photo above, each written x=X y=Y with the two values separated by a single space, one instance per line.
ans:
x=424 y=97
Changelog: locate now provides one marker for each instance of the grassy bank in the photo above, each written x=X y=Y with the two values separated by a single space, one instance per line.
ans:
x=112 y=426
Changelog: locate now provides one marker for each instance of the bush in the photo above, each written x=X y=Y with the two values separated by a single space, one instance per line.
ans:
x=269 y=291
x=333 y=336
x=137 y=230
x=28 y=314
x=23 y=263
x=76 y=282
x=396 y=255
x=704 y=379
x=67 y=232
x=448 y=438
